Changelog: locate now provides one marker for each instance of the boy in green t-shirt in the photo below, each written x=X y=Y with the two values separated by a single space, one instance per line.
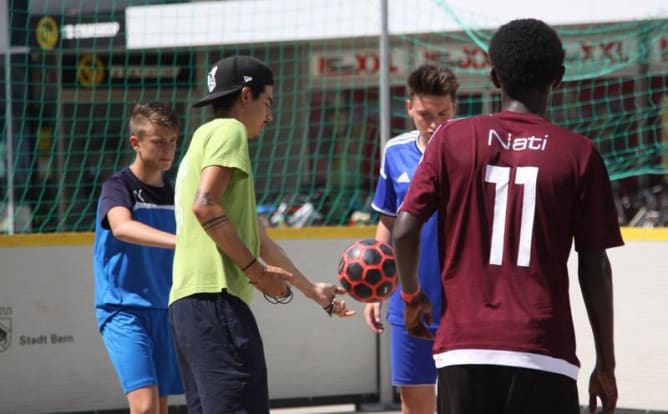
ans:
x=219 y=243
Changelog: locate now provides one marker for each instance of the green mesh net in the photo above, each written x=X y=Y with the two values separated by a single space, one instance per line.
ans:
x=73 y=75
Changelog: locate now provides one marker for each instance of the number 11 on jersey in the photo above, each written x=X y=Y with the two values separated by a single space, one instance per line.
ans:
x=500 y=176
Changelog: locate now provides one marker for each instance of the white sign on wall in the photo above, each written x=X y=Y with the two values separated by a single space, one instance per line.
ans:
x=354 y=63
x=583 y=56
x=464 y=56
x=601 y=55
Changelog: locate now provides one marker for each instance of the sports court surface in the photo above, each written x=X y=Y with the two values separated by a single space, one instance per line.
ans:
x=332 y=409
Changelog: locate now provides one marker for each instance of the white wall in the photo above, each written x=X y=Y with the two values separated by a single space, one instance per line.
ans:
x=258 y=21
x=640 y=271
x=49 y=290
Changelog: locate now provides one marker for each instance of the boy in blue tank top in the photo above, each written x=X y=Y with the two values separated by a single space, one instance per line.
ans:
x=432 y=92
x=133 y=254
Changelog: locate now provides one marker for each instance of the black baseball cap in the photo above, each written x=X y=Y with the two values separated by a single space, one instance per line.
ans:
x=231 y=74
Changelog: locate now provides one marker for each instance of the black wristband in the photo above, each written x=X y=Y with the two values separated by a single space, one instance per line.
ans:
x=252 y=262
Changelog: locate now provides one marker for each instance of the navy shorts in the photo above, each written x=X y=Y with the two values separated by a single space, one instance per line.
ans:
x=484 y=389
x=412 y=361
x=220 y=354
x=141 y=350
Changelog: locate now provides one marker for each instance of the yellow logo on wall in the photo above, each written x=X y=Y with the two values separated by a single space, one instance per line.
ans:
x=47 y=33
x=90 y=71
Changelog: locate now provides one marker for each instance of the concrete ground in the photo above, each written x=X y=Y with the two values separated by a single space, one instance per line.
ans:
x=335 y=409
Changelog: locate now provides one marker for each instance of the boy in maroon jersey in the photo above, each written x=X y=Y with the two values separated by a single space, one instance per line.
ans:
x=513 y=191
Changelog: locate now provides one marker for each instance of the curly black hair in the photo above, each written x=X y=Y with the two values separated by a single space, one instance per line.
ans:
x=527 y=54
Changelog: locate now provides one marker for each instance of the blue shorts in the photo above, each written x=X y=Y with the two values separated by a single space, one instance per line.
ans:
x=141 y=350
x=411 y=359
x=220 y=353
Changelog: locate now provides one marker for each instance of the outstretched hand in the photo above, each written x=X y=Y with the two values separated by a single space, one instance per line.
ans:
x=325 y=296
x=417 y=316
x=603 y=385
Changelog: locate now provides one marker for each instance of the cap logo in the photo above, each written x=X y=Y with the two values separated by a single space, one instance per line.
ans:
x=211 y=79
x=247 y=78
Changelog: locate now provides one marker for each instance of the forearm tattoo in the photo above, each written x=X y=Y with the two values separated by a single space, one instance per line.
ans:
x=214 y=222
x=203 y=199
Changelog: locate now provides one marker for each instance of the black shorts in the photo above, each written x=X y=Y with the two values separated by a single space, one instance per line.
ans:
x=494 y=389
x=220 y=354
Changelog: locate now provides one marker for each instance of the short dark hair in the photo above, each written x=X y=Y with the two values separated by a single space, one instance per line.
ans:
x=432 y=79
x=152 y=113
x=526 y=54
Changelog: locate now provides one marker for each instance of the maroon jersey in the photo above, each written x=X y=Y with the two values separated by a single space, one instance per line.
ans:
x=512 y=192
